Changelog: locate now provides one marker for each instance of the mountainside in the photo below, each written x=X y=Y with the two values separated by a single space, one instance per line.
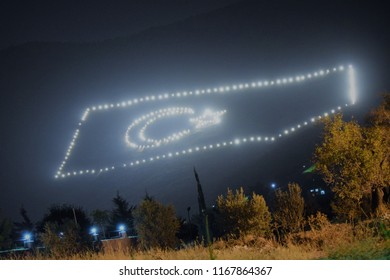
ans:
x=46 y=86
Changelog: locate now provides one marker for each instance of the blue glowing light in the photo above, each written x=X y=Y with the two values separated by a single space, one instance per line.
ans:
x=94 y=231
x=27 y=237
x=121 y=228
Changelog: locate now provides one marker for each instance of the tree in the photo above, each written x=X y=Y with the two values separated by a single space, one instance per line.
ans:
x=243 y=215
x=354 y=161
x=379 y=119
x=62 y=214
x=64 y=230
x=122 y=213
x=5 y=234
x=63 y=241
x=289 y=210
x=26 y=225
x=101 y=218
x=156 y=224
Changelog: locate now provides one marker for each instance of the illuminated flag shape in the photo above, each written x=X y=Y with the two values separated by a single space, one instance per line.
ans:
x=166 y=126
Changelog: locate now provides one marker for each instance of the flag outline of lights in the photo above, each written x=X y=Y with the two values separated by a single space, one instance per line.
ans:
x=352 y=94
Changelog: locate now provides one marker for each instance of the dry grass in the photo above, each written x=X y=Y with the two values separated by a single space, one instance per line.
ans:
x=330 y=241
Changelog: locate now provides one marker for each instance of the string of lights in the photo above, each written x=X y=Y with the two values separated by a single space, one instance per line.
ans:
x=207 y=119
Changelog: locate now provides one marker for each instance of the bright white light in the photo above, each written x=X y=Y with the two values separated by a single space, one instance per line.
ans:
x=27 y=237
x=121 y=228
x=94 y=231
x=352 y=84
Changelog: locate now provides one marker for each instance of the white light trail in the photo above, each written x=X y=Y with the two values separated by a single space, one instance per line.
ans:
x=352 y=84
x=207 y=119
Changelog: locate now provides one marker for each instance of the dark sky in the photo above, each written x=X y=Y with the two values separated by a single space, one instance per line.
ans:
x=88 y=20
x=79 y=53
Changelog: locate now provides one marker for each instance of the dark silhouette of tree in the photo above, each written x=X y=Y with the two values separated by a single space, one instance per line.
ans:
x=187 y=232
x=122 y=213
x=25 y=225
x=64 y=230
x=6 y=229
x=204 y=223
x=101 y=218
x=62 y=214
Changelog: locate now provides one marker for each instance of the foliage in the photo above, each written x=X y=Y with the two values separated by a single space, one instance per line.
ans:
x=289 y=210
x=385 y=233
x=354 y=161
x=63 y=214
x=63 y=241
x=6 y=228
x=318 y=221
x=122 y=213
x=369 y=249
x=187 y=232
x=25 y=226
x=101 y=218
x=156 y=224
x=380 y=116
x=242 y=215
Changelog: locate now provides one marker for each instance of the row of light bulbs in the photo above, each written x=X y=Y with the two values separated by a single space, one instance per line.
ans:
x=235 y=87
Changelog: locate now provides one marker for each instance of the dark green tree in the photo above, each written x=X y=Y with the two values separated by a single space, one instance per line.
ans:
x=6 y=229
x=62 y=214
x=25 y=225
x=122 y=213
x=101 y=218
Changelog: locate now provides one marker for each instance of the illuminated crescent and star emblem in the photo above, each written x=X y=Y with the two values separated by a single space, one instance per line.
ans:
x=197 y=123
x=138 y=133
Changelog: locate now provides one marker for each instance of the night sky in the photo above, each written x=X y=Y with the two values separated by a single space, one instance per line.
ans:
x=59 y=57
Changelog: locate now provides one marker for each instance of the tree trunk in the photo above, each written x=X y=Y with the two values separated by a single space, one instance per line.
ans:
x=377 y=201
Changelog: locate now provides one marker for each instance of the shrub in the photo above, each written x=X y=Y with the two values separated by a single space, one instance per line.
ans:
x=156 y=224
x=242 y=215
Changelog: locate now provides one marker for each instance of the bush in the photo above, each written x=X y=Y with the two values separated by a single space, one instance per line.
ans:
x=242 y=215
x=289 y=211
x=318 y=221
x=156 y=224
x=64 y=241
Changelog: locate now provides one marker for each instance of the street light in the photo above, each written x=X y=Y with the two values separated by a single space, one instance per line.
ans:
x=94 y=232
x=27 y=237
x=122 y=230
x=27 y=240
